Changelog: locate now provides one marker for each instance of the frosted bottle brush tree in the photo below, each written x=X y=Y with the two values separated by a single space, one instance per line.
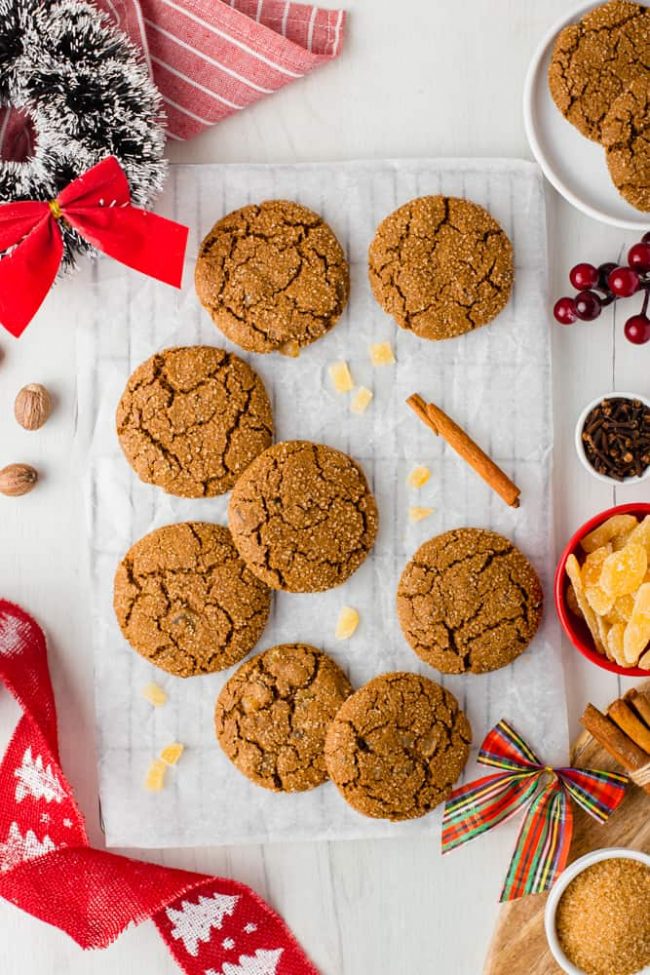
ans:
x=88 y=94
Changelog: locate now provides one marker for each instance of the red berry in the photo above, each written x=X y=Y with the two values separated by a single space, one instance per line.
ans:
x=583 y=276
x=639 y=257
x=587 y=306
x=565 y=311
x=623 y=282
x=646 y=238
x=637 y=329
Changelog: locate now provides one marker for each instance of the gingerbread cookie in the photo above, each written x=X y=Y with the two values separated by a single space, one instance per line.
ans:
x=273 y=277
x=441 y=266
x=594 y=61
x=303 y=516
x=192 y=419
x=186 y=602
x=272 y=715
x=626 y=137
x=397 y=746
x=469 y=601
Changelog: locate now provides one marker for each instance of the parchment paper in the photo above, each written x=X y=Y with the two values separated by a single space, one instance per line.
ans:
x=496 y=382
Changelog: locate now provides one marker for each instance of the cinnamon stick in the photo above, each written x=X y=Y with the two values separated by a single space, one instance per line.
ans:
x=615 y=742
x=443 y=426
x=622 y=714
x=641 y=704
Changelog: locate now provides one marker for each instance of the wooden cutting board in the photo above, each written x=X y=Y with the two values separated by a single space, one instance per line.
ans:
x=518 y=945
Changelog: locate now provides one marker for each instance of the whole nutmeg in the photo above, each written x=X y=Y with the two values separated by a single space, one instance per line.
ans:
x=17 y=479
x=33 y=406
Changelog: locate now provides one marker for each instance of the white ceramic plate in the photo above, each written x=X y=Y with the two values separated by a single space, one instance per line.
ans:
x=574 y=165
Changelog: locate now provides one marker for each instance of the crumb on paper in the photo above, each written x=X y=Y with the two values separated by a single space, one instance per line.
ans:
x=155 y=695
x=172 y=752
x=419 y=514
x=418 y=477
x=381 y=354
x=155 y=778
x=361 y=400
x=290 y=349
x=347 y=623
x=341 y=377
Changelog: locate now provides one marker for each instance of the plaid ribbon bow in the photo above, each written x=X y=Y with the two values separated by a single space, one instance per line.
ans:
x=544 y=839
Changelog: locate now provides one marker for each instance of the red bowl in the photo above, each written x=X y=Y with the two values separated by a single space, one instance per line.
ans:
x=574 y=627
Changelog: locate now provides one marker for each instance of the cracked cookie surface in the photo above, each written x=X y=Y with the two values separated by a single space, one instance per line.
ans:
x=303 y=516
x=397 y=746
x=272 y=715
x=469 y=601
x=441 y=266
x=273 y=276
x=626 y=137
x=186 y=602
x=594 y=61
x=191 y=420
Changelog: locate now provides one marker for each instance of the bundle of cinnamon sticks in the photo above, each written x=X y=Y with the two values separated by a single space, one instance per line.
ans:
x=624 y=732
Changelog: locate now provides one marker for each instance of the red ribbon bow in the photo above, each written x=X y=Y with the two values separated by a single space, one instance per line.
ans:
x=544 y=839
x=98 y=206
x=210 y=924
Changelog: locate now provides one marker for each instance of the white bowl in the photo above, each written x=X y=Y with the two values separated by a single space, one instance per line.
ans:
x=573 y=164
x=580 y=450
x=560 y=886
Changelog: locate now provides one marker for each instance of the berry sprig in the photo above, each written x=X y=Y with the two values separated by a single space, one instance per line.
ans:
x=600 y=286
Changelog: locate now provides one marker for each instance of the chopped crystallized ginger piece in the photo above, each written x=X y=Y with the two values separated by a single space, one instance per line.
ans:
x=615 y=639
x=637 y=631
x=419 y=514
x=155 y=778
x=624 y=571
x=381 y=354
x=641 y=534
x=593 y=565
x=418 y=477
x=614 y=526
x=347 y=623
x=171 y=753
x=574 y=574
x=290 y=349
x=600 y=601
x=361 y=400
x=155 y=695
x=341 y=377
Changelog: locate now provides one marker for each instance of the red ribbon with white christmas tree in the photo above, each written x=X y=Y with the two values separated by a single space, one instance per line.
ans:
x=544 y=840
x=212 y=926
x=98 y=206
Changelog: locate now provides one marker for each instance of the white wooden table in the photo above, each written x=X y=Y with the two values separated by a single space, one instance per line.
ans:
x=417 y=78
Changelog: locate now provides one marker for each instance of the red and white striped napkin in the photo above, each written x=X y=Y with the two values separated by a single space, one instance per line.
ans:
x=211 y=58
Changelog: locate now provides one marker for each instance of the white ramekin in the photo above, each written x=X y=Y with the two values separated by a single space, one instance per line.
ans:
x=561 y=884
x=580 y=450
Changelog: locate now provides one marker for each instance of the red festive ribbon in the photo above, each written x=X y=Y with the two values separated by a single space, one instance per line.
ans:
x=211 y=925
x=98 y=206
x=544 y=839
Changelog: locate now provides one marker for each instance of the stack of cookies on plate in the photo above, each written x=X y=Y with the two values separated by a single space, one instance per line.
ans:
x=194 y=598
x=599 y=78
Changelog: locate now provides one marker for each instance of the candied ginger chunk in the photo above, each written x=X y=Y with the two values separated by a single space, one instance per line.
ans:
x=341 y=377
x=624 y=571
x=418 y=477
x=155 y=778
x=419 y=514
x=616 y=525
x=171 y=753
x=155 y=695
x=361 y=400
x=381 y=354
x=347 y=623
